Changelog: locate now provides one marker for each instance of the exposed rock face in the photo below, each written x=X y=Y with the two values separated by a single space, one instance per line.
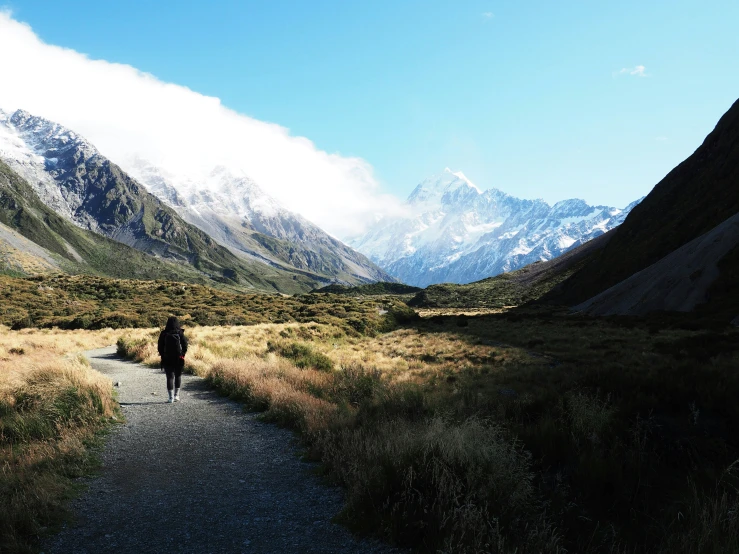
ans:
x=34 y=240
x=454 y=232
x=235 y=211
x=77 y=182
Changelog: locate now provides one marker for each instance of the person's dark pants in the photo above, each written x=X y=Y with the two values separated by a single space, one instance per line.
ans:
x=174 y=376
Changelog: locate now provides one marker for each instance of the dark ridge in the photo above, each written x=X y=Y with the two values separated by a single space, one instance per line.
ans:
x=369 y=289
x=692 y=199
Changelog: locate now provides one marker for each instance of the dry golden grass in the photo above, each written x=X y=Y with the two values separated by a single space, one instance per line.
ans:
x=404 y=355
x=448 y=440
x=431 y=312
x=28 y=350
x=51 y=406
x=465 y=474
x=23 y=262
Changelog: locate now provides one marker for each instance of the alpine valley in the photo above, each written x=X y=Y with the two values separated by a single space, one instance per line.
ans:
x=454 y=232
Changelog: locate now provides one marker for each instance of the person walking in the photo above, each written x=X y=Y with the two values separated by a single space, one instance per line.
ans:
x=172 y=348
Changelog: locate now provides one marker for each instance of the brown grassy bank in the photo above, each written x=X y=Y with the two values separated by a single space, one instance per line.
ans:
x=588 y=436
x=52 y=404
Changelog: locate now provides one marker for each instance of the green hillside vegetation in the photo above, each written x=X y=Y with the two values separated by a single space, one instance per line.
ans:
x=493 y=292
x=315 y=258
x=370 y=289
x=89 y=302
x=693 y=198
x=182 y=251
x=77 y=250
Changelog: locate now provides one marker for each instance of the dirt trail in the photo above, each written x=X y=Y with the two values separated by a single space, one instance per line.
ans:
x=199 y=476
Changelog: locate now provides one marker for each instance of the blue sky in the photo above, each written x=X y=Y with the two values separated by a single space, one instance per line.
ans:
x=526 y=96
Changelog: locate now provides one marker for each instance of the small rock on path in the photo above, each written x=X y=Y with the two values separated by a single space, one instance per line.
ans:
x=199 y=476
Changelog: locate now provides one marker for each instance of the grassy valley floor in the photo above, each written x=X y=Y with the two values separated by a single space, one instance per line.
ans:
x=527 y=432
x=467 y=430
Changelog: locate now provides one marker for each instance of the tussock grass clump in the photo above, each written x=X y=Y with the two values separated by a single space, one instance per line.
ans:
x=276 y=387
x=301 y=354
x=52 y=404
x=462 y=486
x=708 y=522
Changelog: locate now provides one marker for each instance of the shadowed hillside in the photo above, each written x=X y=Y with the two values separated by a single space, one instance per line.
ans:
x=678 y=282
x=692 y=199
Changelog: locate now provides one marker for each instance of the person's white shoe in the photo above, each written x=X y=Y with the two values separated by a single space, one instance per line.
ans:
x=177 y=395
x=171 y=397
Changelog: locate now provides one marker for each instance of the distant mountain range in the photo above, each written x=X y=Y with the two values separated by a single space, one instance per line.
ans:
x=454 y=232
x=255 y=243
x=677 y=251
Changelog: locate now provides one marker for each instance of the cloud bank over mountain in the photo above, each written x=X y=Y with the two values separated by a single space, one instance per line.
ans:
x=126 y=113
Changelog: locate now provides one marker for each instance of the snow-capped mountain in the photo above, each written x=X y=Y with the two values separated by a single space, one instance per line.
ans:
x=455 y=232
x=76 y=181
x=234 y=210
x=40 y=151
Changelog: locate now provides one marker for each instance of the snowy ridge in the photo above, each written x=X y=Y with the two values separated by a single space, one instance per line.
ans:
x=34 y=147
x=458 y=233
x=228 y=205
x=65 y=171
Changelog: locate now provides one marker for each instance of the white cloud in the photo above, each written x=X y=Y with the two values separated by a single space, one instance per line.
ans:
x=124 y=111
x=661 y=138
x=488 y=15
x=636 y=71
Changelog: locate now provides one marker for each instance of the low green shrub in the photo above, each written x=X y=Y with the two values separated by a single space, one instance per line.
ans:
x=302 y=355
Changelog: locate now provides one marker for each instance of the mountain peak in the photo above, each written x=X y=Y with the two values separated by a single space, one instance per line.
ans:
x=453 y=232
x=462 y=177
x=436 y=186
x=46 y=137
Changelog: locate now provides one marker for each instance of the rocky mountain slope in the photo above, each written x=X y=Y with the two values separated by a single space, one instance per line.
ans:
x=692 y=199
x=695 y=198
x=70 y=176
x=454 y=232
x=35 y=240
x=678 y=282
x=235 y=211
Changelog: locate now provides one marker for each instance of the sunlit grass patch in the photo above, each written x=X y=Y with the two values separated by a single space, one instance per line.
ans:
x=51 y=406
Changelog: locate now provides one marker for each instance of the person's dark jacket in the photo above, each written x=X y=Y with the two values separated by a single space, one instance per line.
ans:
x=172 y=362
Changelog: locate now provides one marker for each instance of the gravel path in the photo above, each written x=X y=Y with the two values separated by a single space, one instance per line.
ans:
x=199 y=476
